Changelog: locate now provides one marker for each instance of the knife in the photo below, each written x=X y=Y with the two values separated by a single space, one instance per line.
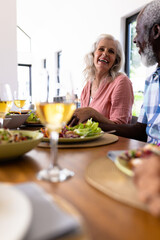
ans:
x=114 y=154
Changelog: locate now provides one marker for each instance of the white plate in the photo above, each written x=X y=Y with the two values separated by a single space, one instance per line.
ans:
x=123 y=166
x=15 y=213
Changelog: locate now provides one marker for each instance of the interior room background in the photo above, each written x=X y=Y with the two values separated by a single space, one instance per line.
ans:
x=43 y=42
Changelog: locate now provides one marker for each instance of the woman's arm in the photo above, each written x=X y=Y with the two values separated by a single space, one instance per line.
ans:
x=135 y=131
x=81 y=115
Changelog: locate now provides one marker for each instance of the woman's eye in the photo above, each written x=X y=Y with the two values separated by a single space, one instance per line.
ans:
x=101 y=49
x=111 y=51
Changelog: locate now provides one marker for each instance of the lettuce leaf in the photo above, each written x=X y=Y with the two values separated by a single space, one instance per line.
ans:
x=90 y=128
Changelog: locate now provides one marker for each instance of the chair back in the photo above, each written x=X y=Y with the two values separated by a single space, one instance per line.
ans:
x=134 y=120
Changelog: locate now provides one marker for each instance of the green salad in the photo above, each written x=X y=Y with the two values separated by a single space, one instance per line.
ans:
x=7 y=136
x=33 y=118
x=90 y=128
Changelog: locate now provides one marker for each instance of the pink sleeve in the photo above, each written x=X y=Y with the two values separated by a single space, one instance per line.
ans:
x=121 y=101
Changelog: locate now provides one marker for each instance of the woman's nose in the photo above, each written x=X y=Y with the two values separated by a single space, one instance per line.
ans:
x=105 y=53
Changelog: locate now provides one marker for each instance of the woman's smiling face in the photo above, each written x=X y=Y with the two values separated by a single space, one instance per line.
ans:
x=104 y=55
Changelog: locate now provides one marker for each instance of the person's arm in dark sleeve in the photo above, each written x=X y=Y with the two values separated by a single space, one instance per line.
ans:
x=135 y=131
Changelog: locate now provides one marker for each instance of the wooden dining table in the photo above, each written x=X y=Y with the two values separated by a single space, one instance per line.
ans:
x=104 y=217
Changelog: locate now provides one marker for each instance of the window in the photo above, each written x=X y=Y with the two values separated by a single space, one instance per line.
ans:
x=130 y=46
x=133 y=65
x=135 y=70
x=24 y=79
x=24 y=63
x=59 y=55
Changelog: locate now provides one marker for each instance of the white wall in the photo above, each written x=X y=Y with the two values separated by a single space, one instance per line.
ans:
x=8 y=42
x=72 y=26
x=67 y=25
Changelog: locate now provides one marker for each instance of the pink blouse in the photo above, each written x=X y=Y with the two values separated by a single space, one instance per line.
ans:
x=113 y=99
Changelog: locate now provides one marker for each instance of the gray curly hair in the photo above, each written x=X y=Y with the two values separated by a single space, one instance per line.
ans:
x=89 y=71
x=150 y=15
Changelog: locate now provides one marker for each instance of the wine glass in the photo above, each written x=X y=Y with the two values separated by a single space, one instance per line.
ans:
x=54 y=115
x=5 y=101
x=20 y=99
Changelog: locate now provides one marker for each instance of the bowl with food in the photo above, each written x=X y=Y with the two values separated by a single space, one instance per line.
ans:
x=16 y=119
x=14 y=143
x=6 y=122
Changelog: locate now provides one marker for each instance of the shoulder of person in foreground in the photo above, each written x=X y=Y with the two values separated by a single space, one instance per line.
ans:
x=147 y=181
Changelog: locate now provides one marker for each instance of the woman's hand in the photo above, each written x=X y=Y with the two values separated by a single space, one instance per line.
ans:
x=81 y=115
x=147 y=180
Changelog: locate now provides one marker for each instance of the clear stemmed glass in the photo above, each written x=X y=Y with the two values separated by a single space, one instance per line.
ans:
x=54 y=115
x=20 y=99
x=5 y=101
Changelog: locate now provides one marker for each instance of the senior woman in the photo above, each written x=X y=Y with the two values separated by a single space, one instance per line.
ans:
x=107 y=93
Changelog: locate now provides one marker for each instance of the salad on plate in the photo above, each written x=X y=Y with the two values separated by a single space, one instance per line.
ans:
x=88 y=130
x=131 y=158
x=33 y=118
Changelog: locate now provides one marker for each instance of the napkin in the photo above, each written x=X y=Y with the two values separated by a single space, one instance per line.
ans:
x=114 y=154
x=48 y=220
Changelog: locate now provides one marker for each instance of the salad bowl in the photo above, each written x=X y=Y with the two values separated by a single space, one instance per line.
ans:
x=6 y=122
x=16 y=120
x=11 y=150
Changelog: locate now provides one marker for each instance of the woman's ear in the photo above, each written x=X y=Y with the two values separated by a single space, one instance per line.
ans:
x=155 y=31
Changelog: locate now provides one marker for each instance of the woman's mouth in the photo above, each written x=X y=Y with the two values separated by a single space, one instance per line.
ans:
x=103 y=60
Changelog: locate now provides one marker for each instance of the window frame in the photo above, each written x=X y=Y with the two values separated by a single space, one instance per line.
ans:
x=59 y=55
x=30 y=77
x=127 y=42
